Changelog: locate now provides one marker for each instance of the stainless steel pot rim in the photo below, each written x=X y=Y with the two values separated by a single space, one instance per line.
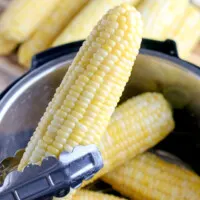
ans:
x=27 y=80
x=187 y=65
x=146 y=49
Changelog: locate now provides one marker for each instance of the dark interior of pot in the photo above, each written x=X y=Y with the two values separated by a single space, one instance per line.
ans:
x=180 y=85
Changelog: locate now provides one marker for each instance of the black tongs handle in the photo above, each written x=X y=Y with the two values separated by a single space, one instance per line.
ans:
x=54 y=177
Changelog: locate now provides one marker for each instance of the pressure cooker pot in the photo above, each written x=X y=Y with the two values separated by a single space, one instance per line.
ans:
x=157 y=68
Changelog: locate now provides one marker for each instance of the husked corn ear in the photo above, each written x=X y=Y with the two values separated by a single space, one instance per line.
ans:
x=22 y=17
x=136 y=125
x=49 y=29
x=187 y=32
x=83 y=104
x=158 y=16
x=90 y=195
x=149 y=177
x=82 y=24
x=6 y=46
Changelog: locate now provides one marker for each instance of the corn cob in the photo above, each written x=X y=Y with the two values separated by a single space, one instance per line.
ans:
x=187 y=32
x=49 y=29
x=90 y=195
x=158 y=16
x=22 y=17
x=6 y=46
x=145 y=120
x=83 y=104
x=149 y=177
x=82 y=24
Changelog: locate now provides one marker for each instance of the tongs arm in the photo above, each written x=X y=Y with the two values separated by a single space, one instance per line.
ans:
x=55 y=177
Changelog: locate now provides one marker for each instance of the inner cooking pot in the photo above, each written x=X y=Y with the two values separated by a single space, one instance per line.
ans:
x=157 y=68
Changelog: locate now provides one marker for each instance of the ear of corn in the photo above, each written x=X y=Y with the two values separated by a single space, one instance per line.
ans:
x=90 y=195
x=22 y=17
x=149 y=177
x=187 y=31
x=6 y=46
x=49 y=29
x=158 y=16
x=83 y=23
x=136 y=125
x=83 y=104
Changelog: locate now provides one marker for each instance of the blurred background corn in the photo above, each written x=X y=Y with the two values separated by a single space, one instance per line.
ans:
x=149 y=177
x=83 y=104
x=136 y=125
x=83 y=23
x=158 y=16
x=49 y=29
x=63 y=21
x=6 y=46
x=187 y=31
x=22 y=17
x=90 y=195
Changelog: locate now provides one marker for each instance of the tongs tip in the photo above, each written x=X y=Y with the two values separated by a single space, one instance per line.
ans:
x=54 y=177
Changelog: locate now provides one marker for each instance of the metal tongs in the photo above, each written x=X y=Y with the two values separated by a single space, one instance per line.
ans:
x=55 y=177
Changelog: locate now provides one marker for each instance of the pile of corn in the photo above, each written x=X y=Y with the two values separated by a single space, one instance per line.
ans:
x=84 y=108
x=34 y=26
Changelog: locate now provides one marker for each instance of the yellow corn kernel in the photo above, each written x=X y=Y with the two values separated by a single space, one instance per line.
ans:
x=82 y=24
x=90 y=195
x=49 y=29
x=187 y=32
x=22 y=17
x=149 y=177
x=6 y=46
x=83 y=104
x=136 y=125
x=158 y=16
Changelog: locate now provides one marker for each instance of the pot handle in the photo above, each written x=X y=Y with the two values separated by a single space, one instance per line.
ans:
x=168 y=46
x=53 y=53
